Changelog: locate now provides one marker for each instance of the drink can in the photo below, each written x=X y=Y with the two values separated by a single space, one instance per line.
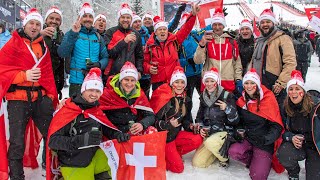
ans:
x=88 y=60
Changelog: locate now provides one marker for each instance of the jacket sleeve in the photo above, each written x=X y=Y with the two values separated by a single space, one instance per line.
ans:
x=187 y=119
x=231 y=111
x=200 y=55
x=273 y=133
x=186 y=28
x=148 y=118
x=103 y=55
x=237 y=66
x=288 y=60
x=20 y=78
x=200 y=113
x=109 y=133
x=66 y=47
x=139 y=54
x=175 y=22
x=114 y=48
x=146 y=61
x=163 y=124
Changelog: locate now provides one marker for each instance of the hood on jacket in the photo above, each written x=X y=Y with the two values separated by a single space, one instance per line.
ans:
x=115 y=84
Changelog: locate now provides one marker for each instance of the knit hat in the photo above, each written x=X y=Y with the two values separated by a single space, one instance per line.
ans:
x=218 y=17
x=86 y=8
x=92 y=80
x=212 y=73
x=125 y=9
x=177 y=74
x=147 y=15
x=33 y=14
x=135 y=18
x=158 y=22
x=253 y=76
x=267 y=14
x=53 y=9
x=128 y=69
x=296 y=78
x=246 y=23
x=98 y=17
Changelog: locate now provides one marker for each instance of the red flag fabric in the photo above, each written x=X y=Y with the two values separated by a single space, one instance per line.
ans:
x=312 y=12
x=256 y=31
x=64 y=116
x=16 y=56
x=207 y=10
x=142 y=157
x=160 y=97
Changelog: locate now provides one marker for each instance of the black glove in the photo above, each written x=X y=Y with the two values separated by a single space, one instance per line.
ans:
x=225 y=147
x=91 y=138
x=92 y=65
x=182 y=8
x=225 y=11
x=122 y=137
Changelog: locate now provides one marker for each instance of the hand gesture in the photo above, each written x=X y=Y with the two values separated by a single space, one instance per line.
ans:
x=222 y=105
x=276 y=89
x=33 y=75
x=48 y=31
x=297 y=142
x=195 y=8
x=205 y=39
x=203 y=133
x=130 y=38
x=136 y=128
x=76 y=27
x=153 y=69
x=174 y=122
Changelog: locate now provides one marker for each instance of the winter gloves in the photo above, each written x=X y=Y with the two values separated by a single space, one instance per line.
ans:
x=181 y=8
x=92 y=65
x=227 y=142
x=92 y=137
x=122 y=137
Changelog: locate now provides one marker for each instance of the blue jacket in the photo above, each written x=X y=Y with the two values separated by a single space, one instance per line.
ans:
x=187 y=50
x=144 y=33
x=82 y=45
x=4 y=38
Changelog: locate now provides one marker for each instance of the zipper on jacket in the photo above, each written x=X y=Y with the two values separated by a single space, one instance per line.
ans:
x=89 y=44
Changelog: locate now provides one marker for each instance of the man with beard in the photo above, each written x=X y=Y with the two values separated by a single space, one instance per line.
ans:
x=274 y=57
x=246 y=44
x=100 y=23
x=124 y=44
x=85 y=46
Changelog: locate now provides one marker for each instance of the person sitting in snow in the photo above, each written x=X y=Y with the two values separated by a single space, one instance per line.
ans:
x=76 y=132
x=173 y=111
x=217 y=112
x=125 y=104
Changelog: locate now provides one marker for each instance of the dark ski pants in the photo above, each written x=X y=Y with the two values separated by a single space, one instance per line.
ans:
x=303 y=68
x=145 y=86
x=194 y=82
x=289 y=156
x=258 y=161
x=19 y=113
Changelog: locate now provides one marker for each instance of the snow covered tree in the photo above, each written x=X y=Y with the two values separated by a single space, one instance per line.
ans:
x=137 y=7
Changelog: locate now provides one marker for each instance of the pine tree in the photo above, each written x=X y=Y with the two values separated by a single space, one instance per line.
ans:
x=137 y=7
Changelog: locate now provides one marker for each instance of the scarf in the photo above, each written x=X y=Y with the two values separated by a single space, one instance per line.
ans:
x=210 y=99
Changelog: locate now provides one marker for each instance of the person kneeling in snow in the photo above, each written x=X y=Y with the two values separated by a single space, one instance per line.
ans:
x=75 y=133
x=217 y=112
x=125 y=104
x=173 y=109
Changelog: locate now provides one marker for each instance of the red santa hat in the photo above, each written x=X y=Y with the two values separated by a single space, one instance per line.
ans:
x=125 y=9
x=92 y=80
x=267 y=14
x=86 y=8
x=33 y=14
x=98 y=17
x=218 y=17
x=212 y=73
x=147 y=15
x=128 y=69
x=253 y=76
x=246 y=23
x=53 y=9
x=296 y=78
x=135 y=18
x=158 y=22
x=177 y=74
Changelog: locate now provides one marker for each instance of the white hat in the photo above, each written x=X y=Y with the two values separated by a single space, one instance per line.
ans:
x=33 y=14
x=86 y=8
x=218 y=17
x=177 y=74
x=252 y=75
x=92 y=80
x=158 y=22
x=147 y=15
x=98 y=17
x=296 y=78
x=212 y=73
x=128 y=69
x=246 y=23
x=267 y=14
x=53 y=9
x=125 y=9
x=135 y=18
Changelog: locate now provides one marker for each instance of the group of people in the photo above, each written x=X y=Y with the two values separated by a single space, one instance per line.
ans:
x=254 y=107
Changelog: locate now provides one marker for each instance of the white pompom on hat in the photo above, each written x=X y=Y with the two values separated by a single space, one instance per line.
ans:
x=158 y=22
x=246 y=23
x=218 y=17
x=267 y=14
x=86 y=8
x=177 y=74
x=125 y=9
x=98 y=17
x=296 y=78
x=92 y=80
x=212 y=73
x=53 y=9
x=128 y=69
x=33 y=14
x=253 y=76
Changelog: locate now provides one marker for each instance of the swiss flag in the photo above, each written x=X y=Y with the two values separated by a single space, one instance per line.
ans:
x=312 y=12
x=256 y=31
x=207 y=10
x=142 y=157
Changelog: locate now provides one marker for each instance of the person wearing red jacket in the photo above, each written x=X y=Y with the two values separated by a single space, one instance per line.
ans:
x=161 y=53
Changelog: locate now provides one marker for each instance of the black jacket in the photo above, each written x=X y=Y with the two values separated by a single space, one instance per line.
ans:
x=246 y=48
x=67 y=140
x=122 y=52
x=168 y=111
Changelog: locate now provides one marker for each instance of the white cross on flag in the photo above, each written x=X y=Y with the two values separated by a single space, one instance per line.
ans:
x=142 y=157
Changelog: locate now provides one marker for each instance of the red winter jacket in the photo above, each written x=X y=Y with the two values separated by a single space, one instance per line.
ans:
x=166 y=53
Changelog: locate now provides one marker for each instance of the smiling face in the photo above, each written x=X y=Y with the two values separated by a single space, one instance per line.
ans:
x=250 y=87
x=32 y=28
x=295 y=93
x=162 y=33
x=91 y=95
x=147 y=22
x=125 y=21
x=217 y=28
x=137 y=25
x=100 y=24
x=87 y=20
x=178 y=86
x=128 y=84
x=266 y=27
x=53 y=20
x=245 y=32
x=210 y=85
